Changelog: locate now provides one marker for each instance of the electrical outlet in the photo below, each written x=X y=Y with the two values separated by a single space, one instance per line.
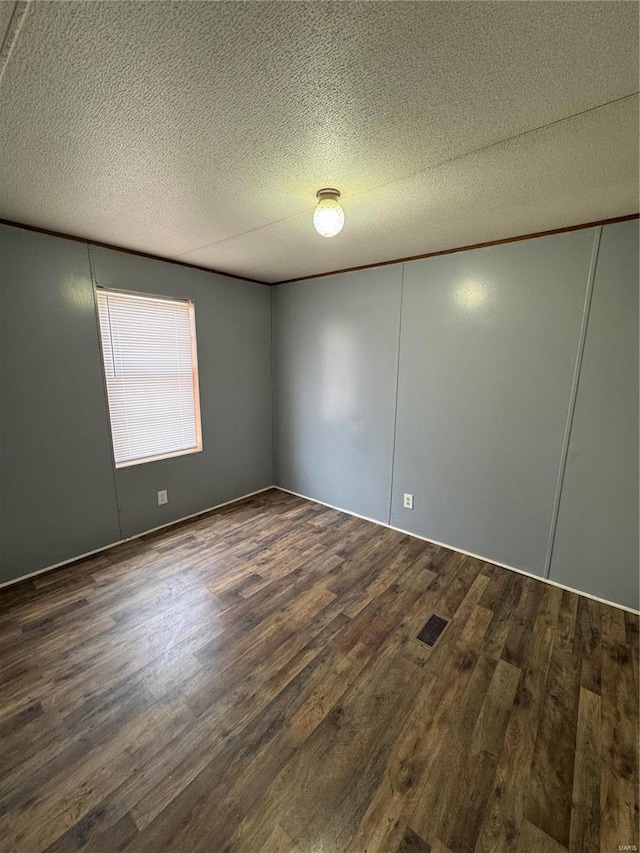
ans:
x=163 y=497
x=408 y=501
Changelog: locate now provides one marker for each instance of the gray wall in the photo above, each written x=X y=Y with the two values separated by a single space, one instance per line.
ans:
x=489 y=342
x=449 y=378
x=233 y=329
x=57 y=495
x=59 y=490
x=335 y=357
x=596 y=541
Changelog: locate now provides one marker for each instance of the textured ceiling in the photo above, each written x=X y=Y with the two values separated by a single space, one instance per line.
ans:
x=201 y=130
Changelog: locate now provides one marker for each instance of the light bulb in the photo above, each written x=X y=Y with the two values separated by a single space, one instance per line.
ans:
x=328 y=217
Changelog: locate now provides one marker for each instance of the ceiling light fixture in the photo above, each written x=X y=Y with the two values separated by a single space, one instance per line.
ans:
x=328 y=217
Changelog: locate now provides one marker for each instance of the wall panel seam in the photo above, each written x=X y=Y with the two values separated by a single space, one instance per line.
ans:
x=395 y=407
x=104 y=387
x=564 y=453
x=273 y=387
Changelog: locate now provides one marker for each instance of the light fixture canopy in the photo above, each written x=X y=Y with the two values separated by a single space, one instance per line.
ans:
x=328 y=217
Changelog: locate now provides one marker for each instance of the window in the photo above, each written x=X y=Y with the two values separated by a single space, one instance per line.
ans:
x=150 y=365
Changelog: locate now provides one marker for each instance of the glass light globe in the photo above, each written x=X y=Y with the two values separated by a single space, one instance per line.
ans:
x=328 y=217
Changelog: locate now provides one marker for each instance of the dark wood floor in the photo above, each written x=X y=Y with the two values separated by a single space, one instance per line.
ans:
x=250 y=681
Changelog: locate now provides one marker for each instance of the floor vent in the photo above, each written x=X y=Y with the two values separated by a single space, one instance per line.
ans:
x=432 y=631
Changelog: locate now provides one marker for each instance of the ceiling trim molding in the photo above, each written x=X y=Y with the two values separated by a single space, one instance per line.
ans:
x=128 y=251
x=549 y=233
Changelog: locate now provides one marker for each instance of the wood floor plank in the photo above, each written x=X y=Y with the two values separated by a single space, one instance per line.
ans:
x=418 y=744
x=549 y=801
x=250 y=680
x=502 y=597
x=585 y=815
x=412 y=843
x=277 y=842
x=505 y=808
x=619 y=737
x=433 y=817
x=480 y=759
x=68 y=796
x=83 y=836
x=352 y=743
x=533 y=840
x=589 y=632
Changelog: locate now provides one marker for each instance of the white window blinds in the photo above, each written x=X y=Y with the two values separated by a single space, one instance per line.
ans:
x=150 y=364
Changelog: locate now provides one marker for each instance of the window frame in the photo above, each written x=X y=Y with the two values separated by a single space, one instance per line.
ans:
x=130 y=463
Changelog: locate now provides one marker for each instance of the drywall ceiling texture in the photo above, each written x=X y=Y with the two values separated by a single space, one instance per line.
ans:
x=201 y=131
x=6 y=13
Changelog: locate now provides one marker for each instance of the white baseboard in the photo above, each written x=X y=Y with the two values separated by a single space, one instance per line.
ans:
x=331 y=506
x=461 y=551
x=130 y=538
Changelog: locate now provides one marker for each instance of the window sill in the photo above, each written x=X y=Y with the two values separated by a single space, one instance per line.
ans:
x=158 y=458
